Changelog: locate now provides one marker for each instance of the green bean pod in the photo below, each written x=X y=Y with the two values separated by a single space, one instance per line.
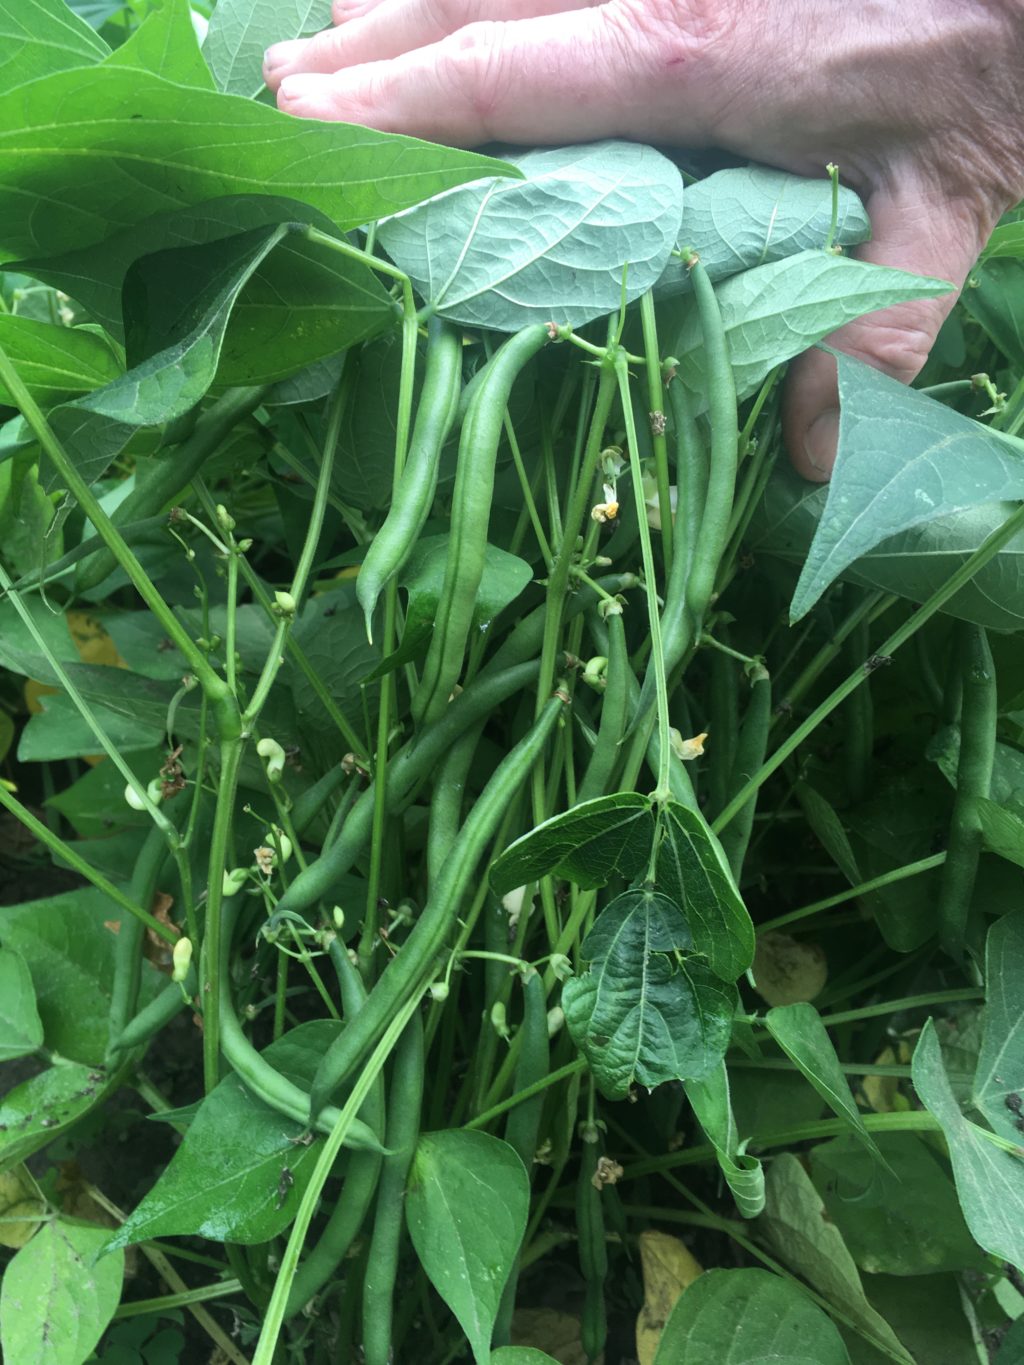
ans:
x=750 y=751
x=978 y=713
x=523 y=1125
x=593 y=1252
x=405 y=771
x=713 y=535
x=361 y=1176
x=405 y=1099
x=409 y=971
x=471 y=511
x=312 y=801
x=128 y=950
x=154 y=1017
x=410 y=506
x=256 y=1072
x=614 y=712
x=174 y=473
x=447 y=798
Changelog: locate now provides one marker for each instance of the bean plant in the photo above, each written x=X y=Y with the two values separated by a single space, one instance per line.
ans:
x=510 y=872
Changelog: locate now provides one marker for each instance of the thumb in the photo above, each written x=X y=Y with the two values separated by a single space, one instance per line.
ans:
x=915 y=230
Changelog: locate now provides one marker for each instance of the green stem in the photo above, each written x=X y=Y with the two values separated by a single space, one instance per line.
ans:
x=898 y=874
x=220 y=844
x=166 y=1302
x=656 y=399
x=527 y=1093
x=67 y=854
x=989 y=548
x=662 y=790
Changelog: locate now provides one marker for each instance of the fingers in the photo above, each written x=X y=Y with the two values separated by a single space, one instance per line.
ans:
x=372 y=32
x=522 y=81
x=915 y=229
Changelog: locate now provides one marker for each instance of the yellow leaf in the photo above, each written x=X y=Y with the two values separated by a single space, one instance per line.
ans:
x=788 y=970
x=548 y=1330
x=668 y=1267
x=21 y=1207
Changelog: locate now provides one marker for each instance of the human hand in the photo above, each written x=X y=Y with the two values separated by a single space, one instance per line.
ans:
x=921 y=105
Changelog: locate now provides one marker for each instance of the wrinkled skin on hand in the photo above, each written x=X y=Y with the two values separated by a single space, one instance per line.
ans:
x=921 y=104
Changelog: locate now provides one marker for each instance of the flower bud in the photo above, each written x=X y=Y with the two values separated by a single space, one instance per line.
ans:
x=275 y=755
x=234 y=880
x=181 y=959
x=438 y=990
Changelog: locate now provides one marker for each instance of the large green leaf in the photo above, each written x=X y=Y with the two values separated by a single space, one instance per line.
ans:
x=775 y=311
x=748 y=1317
x=999 y=1079
x=747 y=216
x=42 y=37
x=70 y=954
x=709 y=1099
x=466 y=1204
x=56 y=362
x=900 y=1219
x=58 y=1295
x=643 y=1012
x=692 y=871
x=608 y=837
x=178 y=304
x=554 y=246
x=21 y=1029
x=1002 y=830
x=798 y=1231
x=904 y=459
x=798 y=1030
x=240 y=1171
x=44 y=1107
x=913 y=563
x=989 y=1181
x=165 y=44
x=86 y=153
x=303 y=302
x=241 y=31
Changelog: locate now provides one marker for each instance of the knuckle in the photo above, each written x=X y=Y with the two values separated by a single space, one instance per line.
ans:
x=473 y=68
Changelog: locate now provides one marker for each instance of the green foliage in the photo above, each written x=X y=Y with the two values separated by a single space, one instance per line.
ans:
x=249 y=386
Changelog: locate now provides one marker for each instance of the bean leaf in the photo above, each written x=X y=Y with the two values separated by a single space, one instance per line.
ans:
x=42 y=1108
x=241 y=1169
x=748 y=1317
x=554 y=246
x=912 y=563
x=57 y=1297
x=798 y=1030
x=709 y=1099
x=165 y=44
x=775 y=311
x=21 y=1029
x=904 y=459
x=989 y=1180
x=86 y=153
x=41 y=38
x=747 y=216
x=643 y=1012
x=241 y=31
x=693 y=872
x=466 y=1205
x=608 y=837
x=1000 y=1074
x=56 y=362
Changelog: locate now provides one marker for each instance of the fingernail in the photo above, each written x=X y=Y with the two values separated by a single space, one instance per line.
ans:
x=281 y=56
x=822 y=439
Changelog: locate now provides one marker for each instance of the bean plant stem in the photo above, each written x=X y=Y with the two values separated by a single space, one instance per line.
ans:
x=898 y=874
x=656 y=403
x=989 y=548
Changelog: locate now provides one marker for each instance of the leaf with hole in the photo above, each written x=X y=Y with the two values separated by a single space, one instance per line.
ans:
x=586 y=228
x=643 y=1013
x=466 y=1203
